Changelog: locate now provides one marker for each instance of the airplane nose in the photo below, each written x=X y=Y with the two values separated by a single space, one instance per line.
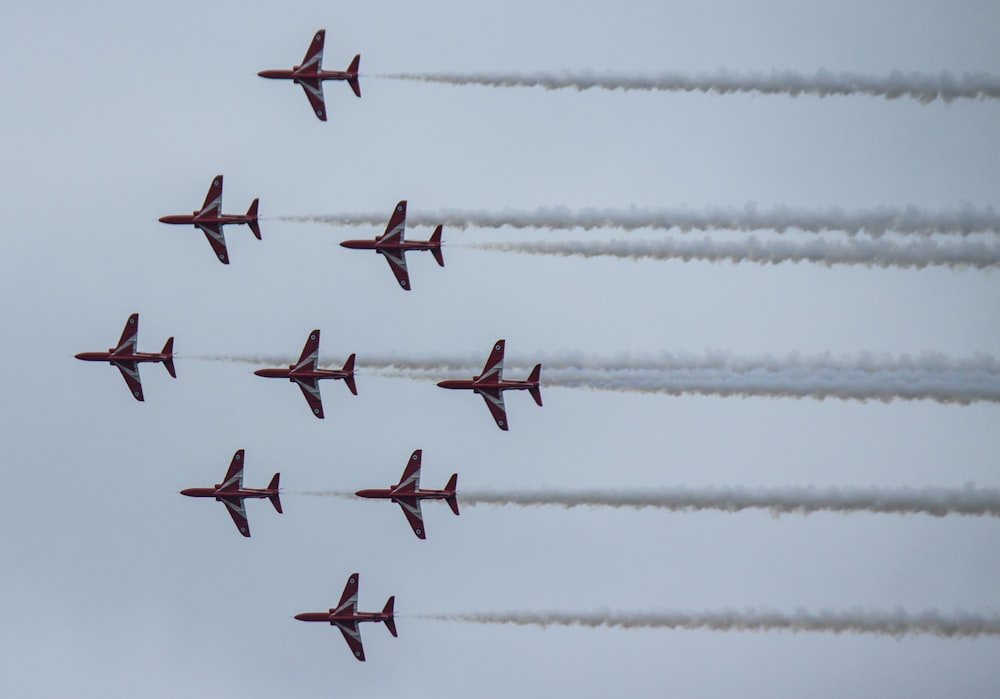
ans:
x=301 y=617
x=186 y=491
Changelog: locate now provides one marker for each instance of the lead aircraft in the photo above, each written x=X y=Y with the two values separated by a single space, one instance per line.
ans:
x=408 y=494
x=346 y=617
x=210 y=219
x=307 y=375
x=393 y=248
x=310 y=74
x=490 y=384
x=231 y=493
x=127 y=359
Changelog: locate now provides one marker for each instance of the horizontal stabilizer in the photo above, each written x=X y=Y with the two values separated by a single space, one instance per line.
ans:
x=390 y=621
x=168 y=350
x=352 y=71
x=436 y=250
x=349 y=379
x=451 y=487
x=535 y=377
x=276 y=498
x=252 y=215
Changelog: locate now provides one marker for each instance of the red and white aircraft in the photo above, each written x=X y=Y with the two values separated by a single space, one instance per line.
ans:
x=231 y=493
x=127 y=359
x=210 y=219
x=307 y=375
x=490 y=384
x=346 y=617
x=310 y=74
x=392 y=246
x=408 y=494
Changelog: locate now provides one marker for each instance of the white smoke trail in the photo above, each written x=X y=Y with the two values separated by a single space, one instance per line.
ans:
x=870 y=253
x=936 y=502
x=867 y=362
x=864 y=377
x=896 y=623
x=910 y=220
x=923 y=87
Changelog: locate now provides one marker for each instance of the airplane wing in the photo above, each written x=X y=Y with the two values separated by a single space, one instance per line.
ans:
x=410 y=480
x=213 y=200
x=397 y=224
x=349 y=599
x=213 y=232
x=397 y=263
x=234 y=476
x=130 y=334
x=314 y=92
x=310 y=389
x=313 y=60
x=494 y=401
x=494 y=365
x=352 y=634
x=130 y=372
x=238 y=512
x=411 y=508
x=310 y=352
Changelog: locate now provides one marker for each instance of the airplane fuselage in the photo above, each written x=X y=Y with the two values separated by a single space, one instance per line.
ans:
x=109 y=356
x=296 y=75
x=379 y=247
x=474 y=385
x=241 y=493
x=418 y=494
x=291 y=374
x=194 y=219
x=332 y=618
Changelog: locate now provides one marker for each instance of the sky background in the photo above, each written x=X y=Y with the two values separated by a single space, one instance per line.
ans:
x=117 y=113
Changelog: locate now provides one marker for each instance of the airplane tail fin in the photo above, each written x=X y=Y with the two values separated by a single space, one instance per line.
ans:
x=452 y=499
x=252 y=215
x=349 y=379
x=436 y=242
x=353 y=72
x=276 y=498
x=390 y=621
x=168 y=363
x=535 y=377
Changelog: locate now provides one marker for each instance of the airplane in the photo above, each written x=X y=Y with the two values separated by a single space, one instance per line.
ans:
x=310 y=74
x=210 y=219
x=490 y=384
x=307 y=375
x=346 y=616
x=127 y=359
x=392 y=246
x=232 y=493
x=408 y=494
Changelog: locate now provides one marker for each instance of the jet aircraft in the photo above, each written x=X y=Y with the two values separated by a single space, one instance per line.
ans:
x=127 y=359
x=392 y=246
x=310 y=74
x=408 y=494
x=346 y=616
x=210 y=219
x=231 y=493
x=307 y=375
x=490 y=384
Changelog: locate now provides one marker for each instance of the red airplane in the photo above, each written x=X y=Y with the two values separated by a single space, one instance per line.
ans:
x=408 y=494
x=127 y=359
x=346 y=617
x=210 y=219
x=491 y=384
x=392 y=246
x=307 y=375
x=232 y=493
x=310 y=74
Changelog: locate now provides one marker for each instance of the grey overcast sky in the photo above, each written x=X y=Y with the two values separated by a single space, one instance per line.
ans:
x=115 y=113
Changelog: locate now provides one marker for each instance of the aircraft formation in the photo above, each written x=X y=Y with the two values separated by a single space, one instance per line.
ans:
x=306 y=372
